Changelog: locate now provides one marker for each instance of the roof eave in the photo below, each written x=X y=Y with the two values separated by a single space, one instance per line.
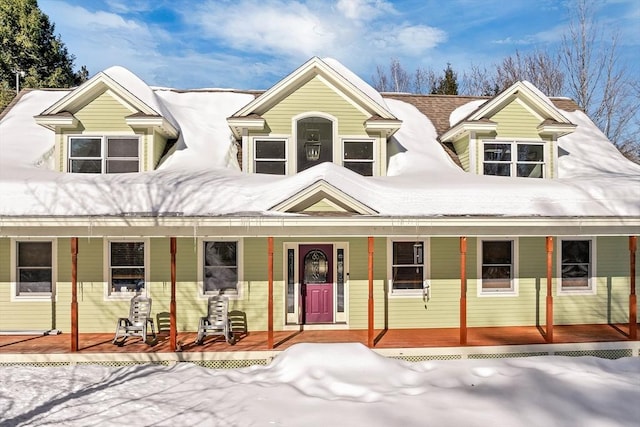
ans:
x=54 y=121
x=159 y=123
x=466 y=127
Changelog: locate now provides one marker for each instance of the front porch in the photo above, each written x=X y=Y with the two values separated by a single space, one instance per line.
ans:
x=389 y=341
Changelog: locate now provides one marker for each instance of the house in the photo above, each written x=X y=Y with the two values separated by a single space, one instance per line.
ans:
x=316 y=204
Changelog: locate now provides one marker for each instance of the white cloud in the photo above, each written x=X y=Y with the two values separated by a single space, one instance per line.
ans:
x=364 y=9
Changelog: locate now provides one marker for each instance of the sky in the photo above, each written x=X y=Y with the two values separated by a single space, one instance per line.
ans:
x=252 y=44
x=330 y=385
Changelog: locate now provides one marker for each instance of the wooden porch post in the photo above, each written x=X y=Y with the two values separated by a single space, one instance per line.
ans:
x=549 y=316
x=74 y=294
x=173 y=326
x=463 y=290
x=270 y=297
x=633 y=303
x=370 y=299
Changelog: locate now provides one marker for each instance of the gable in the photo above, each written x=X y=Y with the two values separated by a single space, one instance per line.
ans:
x=517 y=120
x=316 y=95
x=315 y=67
x=106 y=112
x=322 y=197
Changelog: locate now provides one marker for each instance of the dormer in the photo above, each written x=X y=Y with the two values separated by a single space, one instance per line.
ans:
x=320 y=113
x=513 y=134
x=110 y=124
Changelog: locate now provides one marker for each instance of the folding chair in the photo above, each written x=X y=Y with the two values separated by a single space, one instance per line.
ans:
x=217 y=321
x=136 y=323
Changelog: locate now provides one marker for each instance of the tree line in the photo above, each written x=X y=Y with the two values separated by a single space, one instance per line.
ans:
x=586 y=68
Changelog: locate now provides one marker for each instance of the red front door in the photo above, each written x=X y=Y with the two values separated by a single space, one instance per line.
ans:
x=316 y=273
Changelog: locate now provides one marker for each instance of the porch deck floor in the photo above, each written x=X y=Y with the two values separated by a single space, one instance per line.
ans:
x=257 y=341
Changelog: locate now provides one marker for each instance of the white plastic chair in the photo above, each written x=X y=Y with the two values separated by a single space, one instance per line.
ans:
x=217 y=321
x=136 y=323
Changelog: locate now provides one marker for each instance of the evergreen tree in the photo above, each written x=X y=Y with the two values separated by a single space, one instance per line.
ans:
x=30 y=48
x=446 y=85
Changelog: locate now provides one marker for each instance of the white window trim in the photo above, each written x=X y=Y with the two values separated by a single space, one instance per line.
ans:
x=103 y=147
x=592 y=289
x=14 y=269
x=426 y=268
x=374 y=148
x=514 y=290
x=200 y=258
x=119 y=296
x=514 y=157
x=254 y=159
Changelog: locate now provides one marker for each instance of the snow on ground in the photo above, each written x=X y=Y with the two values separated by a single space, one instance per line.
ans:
x=330 y=385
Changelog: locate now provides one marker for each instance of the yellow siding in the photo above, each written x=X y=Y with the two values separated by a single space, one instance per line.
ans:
x=104 y=114
x=462 y=150
x=97 y=314
x=159 y=143
x=315 y=96
x=515 y=121
x=523 y=309
x=611 y=302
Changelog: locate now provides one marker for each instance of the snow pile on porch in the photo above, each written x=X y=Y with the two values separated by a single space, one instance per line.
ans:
x=330 y=384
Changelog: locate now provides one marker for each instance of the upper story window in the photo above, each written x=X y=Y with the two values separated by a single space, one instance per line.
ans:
x=358 y=156
x=314 y=142
x=270 y=156
x=515 y=158
x=103 y=154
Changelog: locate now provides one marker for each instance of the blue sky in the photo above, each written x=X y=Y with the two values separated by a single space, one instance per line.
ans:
x=252 y=44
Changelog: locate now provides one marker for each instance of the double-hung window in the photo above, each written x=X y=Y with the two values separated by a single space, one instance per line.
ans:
x=220 y=273
x=576 y=264
x=103 y=154
x=497 y=267
x=358 y=156
x=34 y=268
x=126 y=267
x=270 y=156
x=407 y=266
x=515 y=158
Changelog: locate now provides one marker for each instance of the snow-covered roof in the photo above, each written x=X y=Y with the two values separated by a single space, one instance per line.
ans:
x=200 y=179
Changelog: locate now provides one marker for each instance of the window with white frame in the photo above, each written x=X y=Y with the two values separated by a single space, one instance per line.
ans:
x=34 y=268
x=576 y=265
x=126 y=267
x=104 y=154
x=514 y=158
x=358 y=156
x=407 y=266
x=270 y=156
x=220 y=267
x=497 y=266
